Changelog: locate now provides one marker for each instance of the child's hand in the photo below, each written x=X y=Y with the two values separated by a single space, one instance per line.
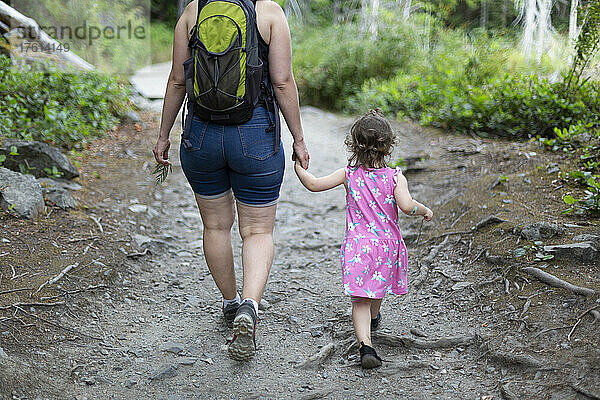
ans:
x=428 y=215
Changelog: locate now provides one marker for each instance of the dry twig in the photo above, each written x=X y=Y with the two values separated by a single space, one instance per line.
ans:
x=57 y=277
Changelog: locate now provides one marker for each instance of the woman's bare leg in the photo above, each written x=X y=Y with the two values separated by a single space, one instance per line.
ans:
x=217 y=218
x=256 y=229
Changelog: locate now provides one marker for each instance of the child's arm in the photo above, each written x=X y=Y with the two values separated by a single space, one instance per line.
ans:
x=320 y=184
x=406 y=202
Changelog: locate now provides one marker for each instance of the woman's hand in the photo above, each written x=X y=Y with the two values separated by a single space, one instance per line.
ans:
x=161 y=151
x=300 y=153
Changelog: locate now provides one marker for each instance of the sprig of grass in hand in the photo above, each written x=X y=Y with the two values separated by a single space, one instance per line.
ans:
x=162 y=171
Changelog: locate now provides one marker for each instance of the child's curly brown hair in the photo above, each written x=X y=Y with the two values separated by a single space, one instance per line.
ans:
x=371 y=141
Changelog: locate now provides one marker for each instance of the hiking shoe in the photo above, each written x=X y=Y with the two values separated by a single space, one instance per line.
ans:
x=375 y=322
x=243 y=344
x=368 y=357
x=229 y=313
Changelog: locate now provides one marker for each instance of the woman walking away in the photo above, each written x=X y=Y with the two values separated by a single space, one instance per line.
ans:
x=233 y=60
x=373 y=254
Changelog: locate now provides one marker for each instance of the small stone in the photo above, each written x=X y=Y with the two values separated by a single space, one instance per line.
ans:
x=59 y=197
x=3 y=353
x=89 y=381
x=417 y=332
x=186 y=360
x=587 y=238
x=129 y=383
x=174 y=348
x=132 y=116
x=264 y=305
x=552 y=168
x=541 y=231
x=138 y=208
x=164 y=372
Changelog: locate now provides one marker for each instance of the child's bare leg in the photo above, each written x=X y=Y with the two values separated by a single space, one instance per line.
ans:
x=375 y=306
x=361 y=317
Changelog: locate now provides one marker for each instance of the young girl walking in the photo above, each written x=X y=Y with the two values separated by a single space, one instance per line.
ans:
x=373 y=254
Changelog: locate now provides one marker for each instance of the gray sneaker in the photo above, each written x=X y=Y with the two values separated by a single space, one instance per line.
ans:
x=229 y=313
x=243 y=344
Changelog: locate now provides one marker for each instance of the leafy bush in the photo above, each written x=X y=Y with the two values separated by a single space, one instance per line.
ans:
x=512 y=105
x=39 y=102
x=162 y=41
x=331 y=63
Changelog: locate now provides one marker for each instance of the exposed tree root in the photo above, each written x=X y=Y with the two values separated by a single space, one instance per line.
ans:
x=317 y=359
x=507 y=394
x=552 y=280
x=394 y=368
x=585 y=392
x=425 y=264
x=440 y=343
x=589 y=310
x=522 y=360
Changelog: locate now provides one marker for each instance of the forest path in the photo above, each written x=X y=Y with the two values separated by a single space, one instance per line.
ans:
x=161 y=329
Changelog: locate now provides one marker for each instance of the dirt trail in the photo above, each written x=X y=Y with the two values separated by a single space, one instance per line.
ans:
x=160 y=326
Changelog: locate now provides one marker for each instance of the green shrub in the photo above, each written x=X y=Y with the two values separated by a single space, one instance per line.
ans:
x=331 y=63
x=512 y=106
x=39 y=102
x=162 y=41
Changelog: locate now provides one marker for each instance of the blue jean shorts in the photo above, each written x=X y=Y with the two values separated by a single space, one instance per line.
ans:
x=244 y=158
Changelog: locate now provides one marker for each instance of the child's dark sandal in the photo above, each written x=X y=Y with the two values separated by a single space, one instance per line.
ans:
x=375 y=322
x=368 y=357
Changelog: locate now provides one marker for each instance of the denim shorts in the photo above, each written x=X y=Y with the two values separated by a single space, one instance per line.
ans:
x=244 y=158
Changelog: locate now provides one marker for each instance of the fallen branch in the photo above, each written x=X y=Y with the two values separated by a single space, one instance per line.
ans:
x=57 y=277
x=317 y=359
x=425 y=264
x=552 y=280
x=589 y=310
x=491 y=220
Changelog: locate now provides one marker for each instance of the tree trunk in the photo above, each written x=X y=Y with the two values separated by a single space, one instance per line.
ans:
x=14 y=19
x=484 y=13
x=504 y=15
x=374 y=19
x=573 y=23
x=529 y=28
x=406 y=13
x=544 y=27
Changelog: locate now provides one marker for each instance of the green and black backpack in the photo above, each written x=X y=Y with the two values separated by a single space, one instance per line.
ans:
x=224 y=74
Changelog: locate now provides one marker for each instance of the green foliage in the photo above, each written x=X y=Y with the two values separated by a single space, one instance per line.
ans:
x=586 y=47
x=513 y=106
x=331 y=64
x=161 y=172
x=53 y=172
x=66 y=109
x=162 y=41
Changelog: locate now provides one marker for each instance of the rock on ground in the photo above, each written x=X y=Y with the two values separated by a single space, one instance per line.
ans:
x=582 y=251
x=20 y=194
x=541 y=231
x=59 y=197
x=37 y=156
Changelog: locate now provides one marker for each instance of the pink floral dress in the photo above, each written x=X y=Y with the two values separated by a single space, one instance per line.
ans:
x=373 y=254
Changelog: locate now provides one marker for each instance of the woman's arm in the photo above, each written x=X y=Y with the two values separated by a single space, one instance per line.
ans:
x=175 y=93
x=319 y=184
x=280 y=68
x=405 y=201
